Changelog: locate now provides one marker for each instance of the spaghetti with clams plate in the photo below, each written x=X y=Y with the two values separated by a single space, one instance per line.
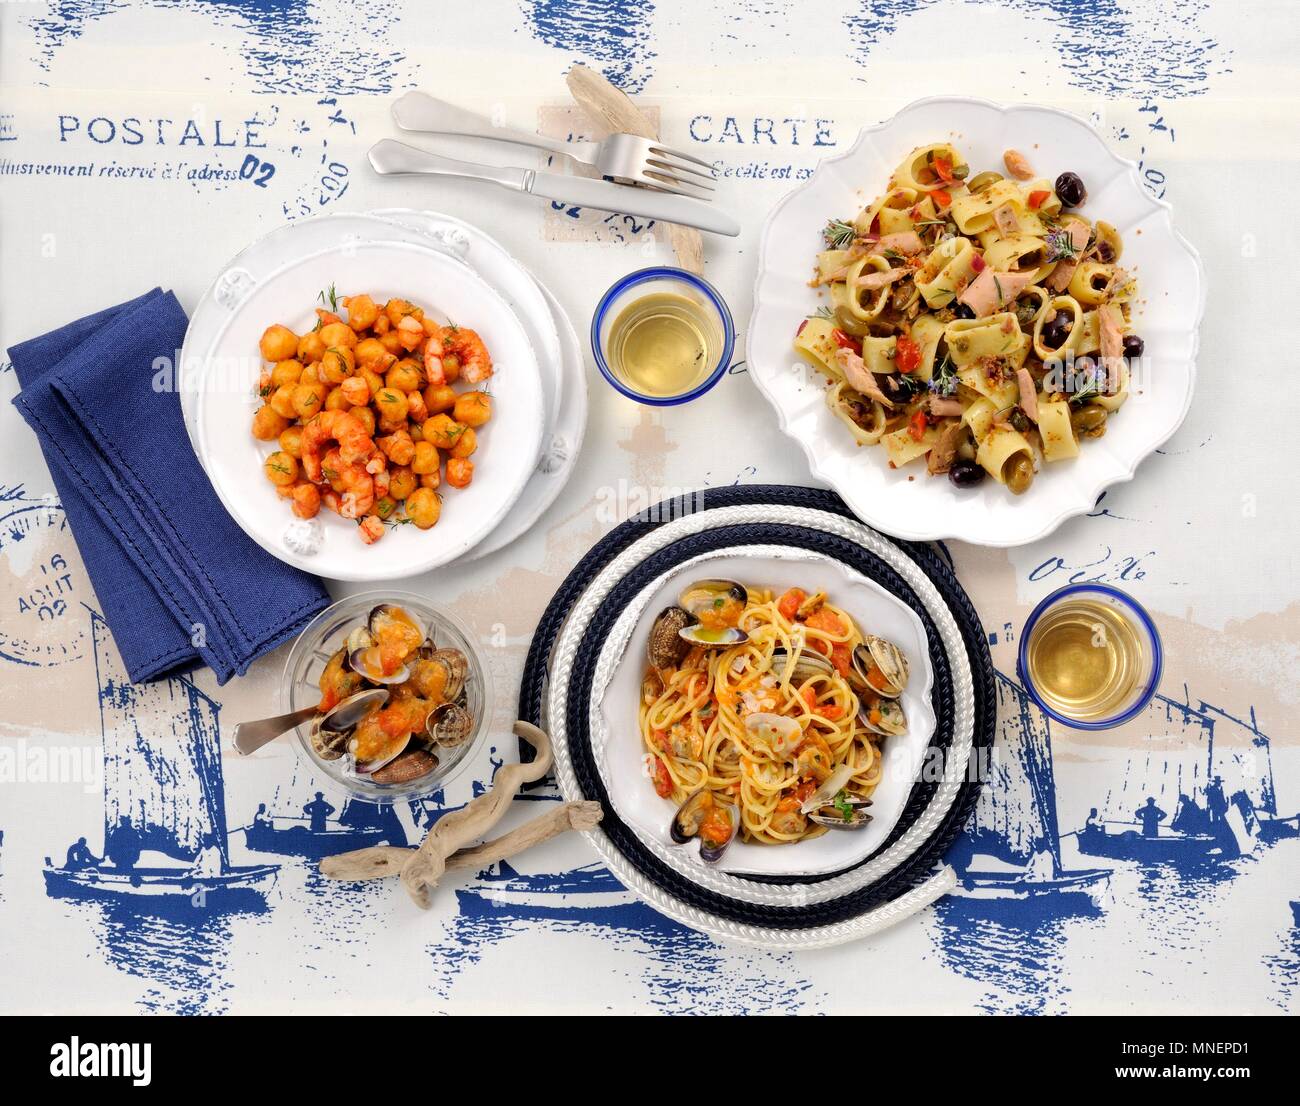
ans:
x=784 y=705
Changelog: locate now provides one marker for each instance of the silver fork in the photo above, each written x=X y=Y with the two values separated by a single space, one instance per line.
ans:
x=625 y=157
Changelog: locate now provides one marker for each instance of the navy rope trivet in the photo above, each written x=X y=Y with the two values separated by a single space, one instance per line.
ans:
x=907 y=875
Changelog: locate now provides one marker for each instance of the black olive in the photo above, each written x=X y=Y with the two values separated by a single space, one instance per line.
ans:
x=964 y=311
x=893 y=388
x=1056 y=332
x=1069 y=187
x=966 y=474
x=1133 y=345
x=1104 y=253
x=1020 y=421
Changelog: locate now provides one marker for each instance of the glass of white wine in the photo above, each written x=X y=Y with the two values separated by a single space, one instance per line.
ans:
x=1090 y=656
x=662 y=336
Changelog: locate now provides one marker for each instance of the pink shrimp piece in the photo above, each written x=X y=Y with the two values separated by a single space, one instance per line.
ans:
x=371 y=529
x=342 y=427
x=463 y=344
x=358 y=491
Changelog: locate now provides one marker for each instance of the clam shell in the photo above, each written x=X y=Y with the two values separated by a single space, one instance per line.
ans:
x=406 y=766
x=695 y=634
x=808 y=665
x=689 y=817
x=832 y=818
x=664 y=648
x=332 y=730
x=893 y=722
x=449 y=725
x=457 y=666
x=363 y=659
x=704 y=593
x=894 y=669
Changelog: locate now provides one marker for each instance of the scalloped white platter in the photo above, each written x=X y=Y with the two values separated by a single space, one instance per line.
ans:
x=906 y=502
x=509 y=445
x=620 y=756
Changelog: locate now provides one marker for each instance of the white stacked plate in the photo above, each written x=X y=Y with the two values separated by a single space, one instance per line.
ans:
x=455 y=270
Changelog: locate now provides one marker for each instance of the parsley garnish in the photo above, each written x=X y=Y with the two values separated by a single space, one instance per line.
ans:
x=843 y=805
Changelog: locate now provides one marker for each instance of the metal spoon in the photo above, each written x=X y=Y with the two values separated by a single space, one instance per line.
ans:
x=251 y=736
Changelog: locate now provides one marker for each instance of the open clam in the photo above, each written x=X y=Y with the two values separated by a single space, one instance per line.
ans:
x=714 y=607
x=882 y=716
x=833 y=807
x=704 y=816
x=880 y=667
x=332 y=730
x=664 y=648
x=456 y=665
x=380 y=649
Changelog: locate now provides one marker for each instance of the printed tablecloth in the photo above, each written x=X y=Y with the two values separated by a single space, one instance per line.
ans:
x=145 y=143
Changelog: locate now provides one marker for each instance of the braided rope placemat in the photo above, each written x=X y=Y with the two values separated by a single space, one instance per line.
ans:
x=581 y=644
x=932 y=820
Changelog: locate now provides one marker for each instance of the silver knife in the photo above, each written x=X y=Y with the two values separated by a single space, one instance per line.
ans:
x=388 y=156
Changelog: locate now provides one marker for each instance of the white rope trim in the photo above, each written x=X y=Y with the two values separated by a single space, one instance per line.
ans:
x=571 y=639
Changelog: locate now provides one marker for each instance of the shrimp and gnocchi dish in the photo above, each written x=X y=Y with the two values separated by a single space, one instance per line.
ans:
x=977 y=321
x=365 y=415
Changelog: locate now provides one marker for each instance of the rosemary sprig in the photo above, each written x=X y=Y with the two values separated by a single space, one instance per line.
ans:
x=1060 y=245
x=1091 y=387
x=943 y=381
x=838 y=234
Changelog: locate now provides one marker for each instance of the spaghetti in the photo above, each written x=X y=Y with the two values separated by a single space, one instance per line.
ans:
x=762 y=724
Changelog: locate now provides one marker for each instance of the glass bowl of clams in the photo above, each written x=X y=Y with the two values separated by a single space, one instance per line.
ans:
x=401 y=695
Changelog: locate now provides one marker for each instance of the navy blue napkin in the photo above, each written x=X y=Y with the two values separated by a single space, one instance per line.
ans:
x=179 y=582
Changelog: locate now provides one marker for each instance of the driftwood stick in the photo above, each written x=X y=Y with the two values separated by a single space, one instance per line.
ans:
x=421 y=872
x=388 y=860
x=610 y=105
x=421 y=868
x=580 y=816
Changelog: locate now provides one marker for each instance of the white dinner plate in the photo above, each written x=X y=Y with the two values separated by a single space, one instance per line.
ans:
x=509 y=445
x=616 y=739
x=906 y=502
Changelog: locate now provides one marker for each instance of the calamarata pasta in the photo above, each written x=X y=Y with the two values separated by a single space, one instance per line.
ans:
x=978 y=321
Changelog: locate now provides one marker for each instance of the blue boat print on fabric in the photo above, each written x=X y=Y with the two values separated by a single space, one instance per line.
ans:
x=588 y=893
x=164 y=800
x=1011 y=849
x=300 y=822
x=1178 y=803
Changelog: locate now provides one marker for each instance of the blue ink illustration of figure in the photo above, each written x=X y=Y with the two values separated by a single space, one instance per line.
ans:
x=1177 y=768
x=318 y=810
x=299 y=821
x=1150 y=816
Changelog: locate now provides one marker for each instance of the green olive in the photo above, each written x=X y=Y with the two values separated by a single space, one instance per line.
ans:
x=1018 y=473
x=1089 y=421
x=981 y=181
